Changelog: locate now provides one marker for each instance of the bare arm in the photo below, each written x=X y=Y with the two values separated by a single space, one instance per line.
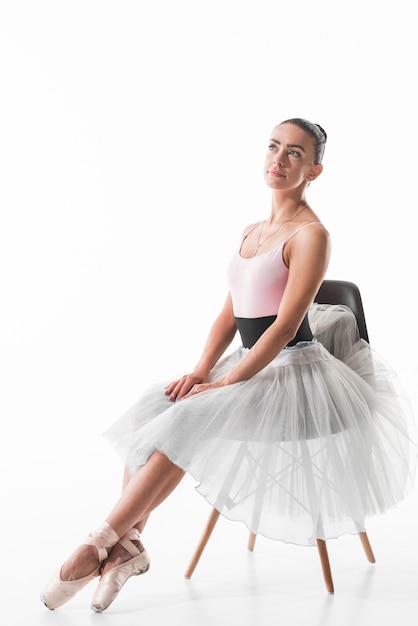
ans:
x=307 y=256
x=220 y=337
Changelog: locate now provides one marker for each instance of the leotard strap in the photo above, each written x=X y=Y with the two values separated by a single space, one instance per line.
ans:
x=257 y=285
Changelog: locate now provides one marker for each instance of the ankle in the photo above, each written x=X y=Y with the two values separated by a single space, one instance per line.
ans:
x=139 y=545
x=102 y=538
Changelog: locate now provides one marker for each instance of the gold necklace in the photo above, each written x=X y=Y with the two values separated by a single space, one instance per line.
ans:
x=260 y=243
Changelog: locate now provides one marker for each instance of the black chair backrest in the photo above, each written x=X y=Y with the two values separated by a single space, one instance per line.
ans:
x=347 y=293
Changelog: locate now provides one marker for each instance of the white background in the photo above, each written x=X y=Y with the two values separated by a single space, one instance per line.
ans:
x=132 y=140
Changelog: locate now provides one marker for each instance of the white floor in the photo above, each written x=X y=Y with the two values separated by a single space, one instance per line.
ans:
x=48 y=513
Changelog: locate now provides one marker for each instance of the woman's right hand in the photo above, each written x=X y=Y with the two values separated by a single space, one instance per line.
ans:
x=177 y=389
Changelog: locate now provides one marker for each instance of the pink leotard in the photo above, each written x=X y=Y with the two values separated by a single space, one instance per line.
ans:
x=257 y=283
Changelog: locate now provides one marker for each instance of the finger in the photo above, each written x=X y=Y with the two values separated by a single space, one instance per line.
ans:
x=178 y=389
x=174 y=388
x=177 y=392
x=185 y=390
x=169 y=388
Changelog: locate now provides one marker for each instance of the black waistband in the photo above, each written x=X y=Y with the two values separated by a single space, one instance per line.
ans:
x=251 y=329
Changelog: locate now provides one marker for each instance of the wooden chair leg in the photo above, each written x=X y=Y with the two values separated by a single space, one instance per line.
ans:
x=251 y=541
x=326 y=568
x=367 y=547
x=213 y=518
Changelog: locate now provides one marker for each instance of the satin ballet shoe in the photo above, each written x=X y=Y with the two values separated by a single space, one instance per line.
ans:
x=57 y=591
x=112 y=582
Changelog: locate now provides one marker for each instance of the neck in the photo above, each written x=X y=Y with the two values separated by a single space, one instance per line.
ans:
x=286 y=208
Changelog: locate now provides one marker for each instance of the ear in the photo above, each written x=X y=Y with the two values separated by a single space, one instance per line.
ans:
x=315 y=172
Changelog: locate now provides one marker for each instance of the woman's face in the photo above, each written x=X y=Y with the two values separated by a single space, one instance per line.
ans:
x=289 y=160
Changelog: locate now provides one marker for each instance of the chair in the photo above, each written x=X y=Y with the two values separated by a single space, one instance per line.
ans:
x=336 y=292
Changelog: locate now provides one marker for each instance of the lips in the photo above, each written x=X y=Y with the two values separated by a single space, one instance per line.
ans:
x=276 y=173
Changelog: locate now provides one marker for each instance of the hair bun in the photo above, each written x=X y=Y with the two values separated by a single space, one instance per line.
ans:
x=322 y=130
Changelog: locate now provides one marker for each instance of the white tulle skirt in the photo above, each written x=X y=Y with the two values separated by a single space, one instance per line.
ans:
x=305 y=449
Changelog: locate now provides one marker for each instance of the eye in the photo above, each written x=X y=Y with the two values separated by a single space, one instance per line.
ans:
x=294 y=153
x=272 y=146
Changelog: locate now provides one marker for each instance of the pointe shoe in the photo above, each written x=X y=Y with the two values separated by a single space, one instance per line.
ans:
x=112 y=582
x=57 y=591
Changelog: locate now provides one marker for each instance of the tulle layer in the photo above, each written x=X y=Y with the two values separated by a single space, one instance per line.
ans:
x=306 y=449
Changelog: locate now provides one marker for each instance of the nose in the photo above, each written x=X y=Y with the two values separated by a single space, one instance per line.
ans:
x=279 y=158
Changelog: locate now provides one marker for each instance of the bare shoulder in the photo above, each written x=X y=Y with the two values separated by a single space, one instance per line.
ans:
x=249 y=228
x=314 y=232
x=311 y=243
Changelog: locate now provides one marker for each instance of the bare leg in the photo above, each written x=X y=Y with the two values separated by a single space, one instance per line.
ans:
x=126 y=479
x=149 y=486
x=119 y=555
